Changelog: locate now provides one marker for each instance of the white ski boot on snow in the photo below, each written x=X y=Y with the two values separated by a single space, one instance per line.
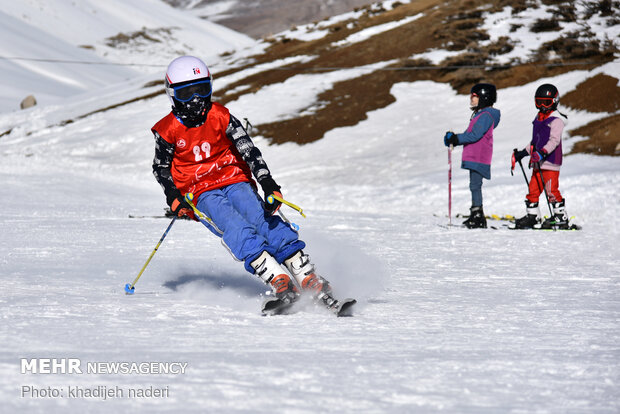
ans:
x=284 y=289
x=302 y=269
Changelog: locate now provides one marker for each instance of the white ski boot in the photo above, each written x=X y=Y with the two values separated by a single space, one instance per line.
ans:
x=284 y=289
x=559 y=220
x=532 y=219
x=303 y=271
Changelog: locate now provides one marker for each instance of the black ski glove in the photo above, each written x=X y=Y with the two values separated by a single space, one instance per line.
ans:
x=180 y=207
x=270 y=187
x=519 y=155
x=450 y=139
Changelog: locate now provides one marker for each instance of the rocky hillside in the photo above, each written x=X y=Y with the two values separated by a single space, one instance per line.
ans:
x=258 y=18
x=506 y=42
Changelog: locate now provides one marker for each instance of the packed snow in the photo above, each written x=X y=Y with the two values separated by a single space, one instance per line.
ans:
x=366 y=34
x=448 y=320
x=516 y=26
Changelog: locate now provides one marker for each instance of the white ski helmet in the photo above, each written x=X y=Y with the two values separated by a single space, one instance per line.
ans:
x=186 y=70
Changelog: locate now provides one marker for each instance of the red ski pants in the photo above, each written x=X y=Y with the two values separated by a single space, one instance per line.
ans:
x=552 y=183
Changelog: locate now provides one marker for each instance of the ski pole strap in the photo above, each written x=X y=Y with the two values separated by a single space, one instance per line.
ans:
x=272 y=197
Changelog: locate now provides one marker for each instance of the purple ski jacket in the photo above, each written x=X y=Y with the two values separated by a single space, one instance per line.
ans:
x=478 y=141
x=547 y=135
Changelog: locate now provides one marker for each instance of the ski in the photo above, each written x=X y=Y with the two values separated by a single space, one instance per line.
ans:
x=144 y=217
x=462 y=226
x=167 y=214
x=451 y=226
x=571 y=227
x=345 y=307
x=274 y=306
x=338 y=307
x=497 y=217
x=549 y=225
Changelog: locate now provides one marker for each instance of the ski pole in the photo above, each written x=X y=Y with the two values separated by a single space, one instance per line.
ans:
x=131 y=287
x=271 y=197
x=294 y=226
x=542 y=180
x=524 y=174
x=512 y=169
x=450 y=183
x=544 y=187
x=189 y=197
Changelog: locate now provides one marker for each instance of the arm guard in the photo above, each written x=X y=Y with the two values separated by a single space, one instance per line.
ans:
x=250 y=154
x=162 y=162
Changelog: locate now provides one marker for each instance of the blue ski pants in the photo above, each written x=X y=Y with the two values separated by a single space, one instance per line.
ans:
x=245 y=227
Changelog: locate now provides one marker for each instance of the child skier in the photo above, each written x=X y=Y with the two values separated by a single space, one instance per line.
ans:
x=201 y=148
x=478 y=147
x=545 y=151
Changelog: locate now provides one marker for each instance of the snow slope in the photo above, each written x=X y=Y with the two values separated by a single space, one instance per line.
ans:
x=485 y=321
x=45 y=45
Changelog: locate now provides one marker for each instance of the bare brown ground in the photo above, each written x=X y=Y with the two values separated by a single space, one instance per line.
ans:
x=597 y=94
x=604 y=138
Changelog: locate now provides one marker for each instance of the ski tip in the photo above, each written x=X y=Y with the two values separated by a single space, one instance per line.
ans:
x=346 y=308
x=129 y=290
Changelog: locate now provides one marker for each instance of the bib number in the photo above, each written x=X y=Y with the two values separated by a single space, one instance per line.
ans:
x=199 y=150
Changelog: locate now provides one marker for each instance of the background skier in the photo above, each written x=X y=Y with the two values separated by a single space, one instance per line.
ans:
x=201 y=148
x=545 y=152
x=478 y=147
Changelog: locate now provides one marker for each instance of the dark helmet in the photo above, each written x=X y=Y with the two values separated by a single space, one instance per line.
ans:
x=547 y=98
x=486 y=93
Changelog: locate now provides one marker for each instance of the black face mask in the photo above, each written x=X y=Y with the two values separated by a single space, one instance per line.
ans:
x=192 y=113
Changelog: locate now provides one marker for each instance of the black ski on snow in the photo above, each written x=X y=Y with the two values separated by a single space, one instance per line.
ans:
x=462 y=226
x=344 y=307
x=497 y=217
x=167 y=214
x=510 y=225
x=571 y=227
x=274 y=306
x=143 y=217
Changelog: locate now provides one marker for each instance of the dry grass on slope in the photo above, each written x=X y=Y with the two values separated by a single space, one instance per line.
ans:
x=597 y=94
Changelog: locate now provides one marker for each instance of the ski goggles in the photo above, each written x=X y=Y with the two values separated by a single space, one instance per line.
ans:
x=185 y=92
x=543 y=102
